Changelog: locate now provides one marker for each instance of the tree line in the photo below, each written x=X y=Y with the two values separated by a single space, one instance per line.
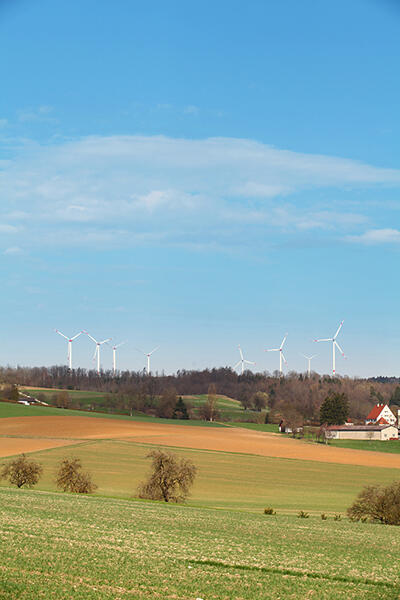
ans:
x=294 y=396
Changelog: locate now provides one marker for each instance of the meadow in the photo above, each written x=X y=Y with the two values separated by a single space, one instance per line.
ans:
x=89 y=548
x=229 y=408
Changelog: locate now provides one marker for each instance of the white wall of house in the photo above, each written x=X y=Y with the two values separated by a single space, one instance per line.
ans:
x=383 y=435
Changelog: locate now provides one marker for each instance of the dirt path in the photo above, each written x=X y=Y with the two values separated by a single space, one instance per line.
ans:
x=206 y=438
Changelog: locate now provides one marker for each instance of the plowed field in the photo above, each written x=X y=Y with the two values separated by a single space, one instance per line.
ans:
x=56 y=431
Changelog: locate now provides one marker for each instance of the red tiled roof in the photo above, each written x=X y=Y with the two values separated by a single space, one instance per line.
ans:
x=376 y=411
x=383 y=421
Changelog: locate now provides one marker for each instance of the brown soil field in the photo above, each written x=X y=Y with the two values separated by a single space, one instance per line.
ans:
x=11 y=446
x=223 y=439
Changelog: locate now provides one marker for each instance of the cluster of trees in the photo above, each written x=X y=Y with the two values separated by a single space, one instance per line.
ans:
x=70 y=477
x=294 y=397
x=170 y=479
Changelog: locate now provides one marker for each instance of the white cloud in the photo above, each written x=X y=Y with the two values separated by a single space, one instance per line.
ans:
x=13 y=250
x=157 y=186
x=191 y=110
x=377 y=236
x=3 y=123
x=5 y=228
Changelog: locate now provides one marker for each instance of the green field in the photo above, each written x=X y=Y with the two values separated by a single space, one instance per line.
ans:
x=225 y=480
x=7 y=409
x=230 y=409
x=391 y=446
x=86 y=548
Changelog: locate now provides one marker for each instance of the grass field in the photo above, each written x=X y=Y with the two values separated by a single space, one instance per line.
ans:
x=225 y=480
x=7 y=409
x=391 y=446
x=89 y=548
x=230 y=409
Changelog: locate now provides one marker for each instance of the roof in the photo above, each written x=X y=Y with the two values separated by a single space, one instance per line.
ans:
x=376 y=411
x=358 y=427
x=382 y=421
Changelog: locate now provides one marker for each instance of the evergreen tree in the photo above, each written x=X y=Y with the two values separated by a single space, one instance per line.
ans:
x=180 y=411
x=334 y=409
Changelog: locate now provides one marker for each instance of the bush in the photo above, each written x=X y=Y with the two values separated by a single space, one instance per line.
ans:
x=337 y=517
x=324 y=516
x=22 y=471
x=377 y=504
x=302 y=514
x=269 y=511
x=71 y=478
x=171 y=479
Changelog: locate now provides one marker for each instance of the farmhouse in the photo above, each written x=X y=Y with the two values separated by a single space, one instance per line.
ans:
x=379 y=412
x=362 y=432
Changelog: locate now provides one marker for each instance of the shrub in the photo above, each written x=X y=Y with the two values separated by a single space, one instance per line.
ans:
x=302 y=514
x=377 y=503
x=71 y=478
x=337 y=517
x=22 y=471
x=171 y=479
x=269 y=511
x=324 y=516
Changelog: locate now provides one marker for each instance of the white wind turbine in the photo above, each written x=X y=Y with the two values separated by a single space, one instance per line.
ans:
x=114 y=349
x=148 y=354
x=334 y=345
x=243 y=361
x=97 y=351
x=309 y=358
x=70 y=340
x=281 y=355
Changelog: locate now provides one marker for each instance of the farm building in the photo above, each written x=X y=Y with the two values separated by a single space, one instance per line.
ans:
x=362 y=432
x=379 y=412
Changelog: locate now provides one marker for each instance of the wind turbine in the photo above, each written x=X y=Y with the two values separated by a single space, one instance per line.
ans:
x=70 y=340
x=97 y=351
x=281 y=355
x=114 y=349
x=243 y=361
x=334 y=345
x=148 y=354
x=309 y=358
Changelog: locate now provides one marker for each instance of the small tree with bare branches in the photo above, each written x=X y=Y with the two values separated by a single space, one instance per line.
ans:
x=171 y=478
x=22 y=471
x=71 y=478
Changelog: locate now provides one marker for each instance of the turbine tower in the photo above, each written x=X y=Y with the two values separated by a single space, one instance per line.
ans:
x=309 y=358
x=148 y=354
x=334 y=345
x=70 y=340
x=281 y=355
x=114 y=349
x=243 y=361
x=97 y=351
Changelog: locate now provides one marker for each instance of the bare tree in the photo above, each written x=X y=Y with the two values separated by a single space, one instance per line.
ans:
x=171 y=478
x=22 y=471
x=209 y=411
x=71 y=478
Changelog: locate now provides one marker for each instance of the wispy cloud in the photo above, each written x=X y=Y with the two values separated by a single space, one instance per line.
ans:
x=41 y=113
x=150 y=188
x=377 y=236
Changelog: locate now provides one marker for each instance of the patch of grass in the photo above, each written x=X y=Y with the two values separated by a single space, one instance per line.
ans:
x=105 y=549
x=391 y=446
x=225 y=480
x=7 y=409
x=270 y=427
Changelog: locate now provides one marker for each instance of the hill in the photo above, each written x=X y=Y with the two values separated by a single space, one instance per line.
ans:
x=106 y=549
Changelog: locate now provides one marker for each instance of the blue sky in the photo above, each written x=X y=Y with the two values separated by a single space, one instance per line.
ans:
x=197 y=176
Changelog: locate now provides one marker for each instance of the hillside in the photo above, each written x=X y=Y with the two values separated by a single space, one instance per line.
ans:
x=106 y=549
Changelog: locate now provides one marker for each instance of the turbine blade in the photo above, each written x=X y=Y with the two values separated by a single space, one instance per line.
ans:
x=284 y=359
x=283 y=341
x=91 y=337
x=75 y=336
x=339 y=348
x=272 y=350
x=59 y=332
x=237 y=364
x=105 y=341
x=338 y=329
x=150 y=353
x=241 y=353
x=249 y=362
x=324 y=340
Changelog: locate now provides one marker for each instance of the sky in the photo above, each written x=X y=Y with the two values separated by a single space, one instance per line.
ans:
x=196 y=176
